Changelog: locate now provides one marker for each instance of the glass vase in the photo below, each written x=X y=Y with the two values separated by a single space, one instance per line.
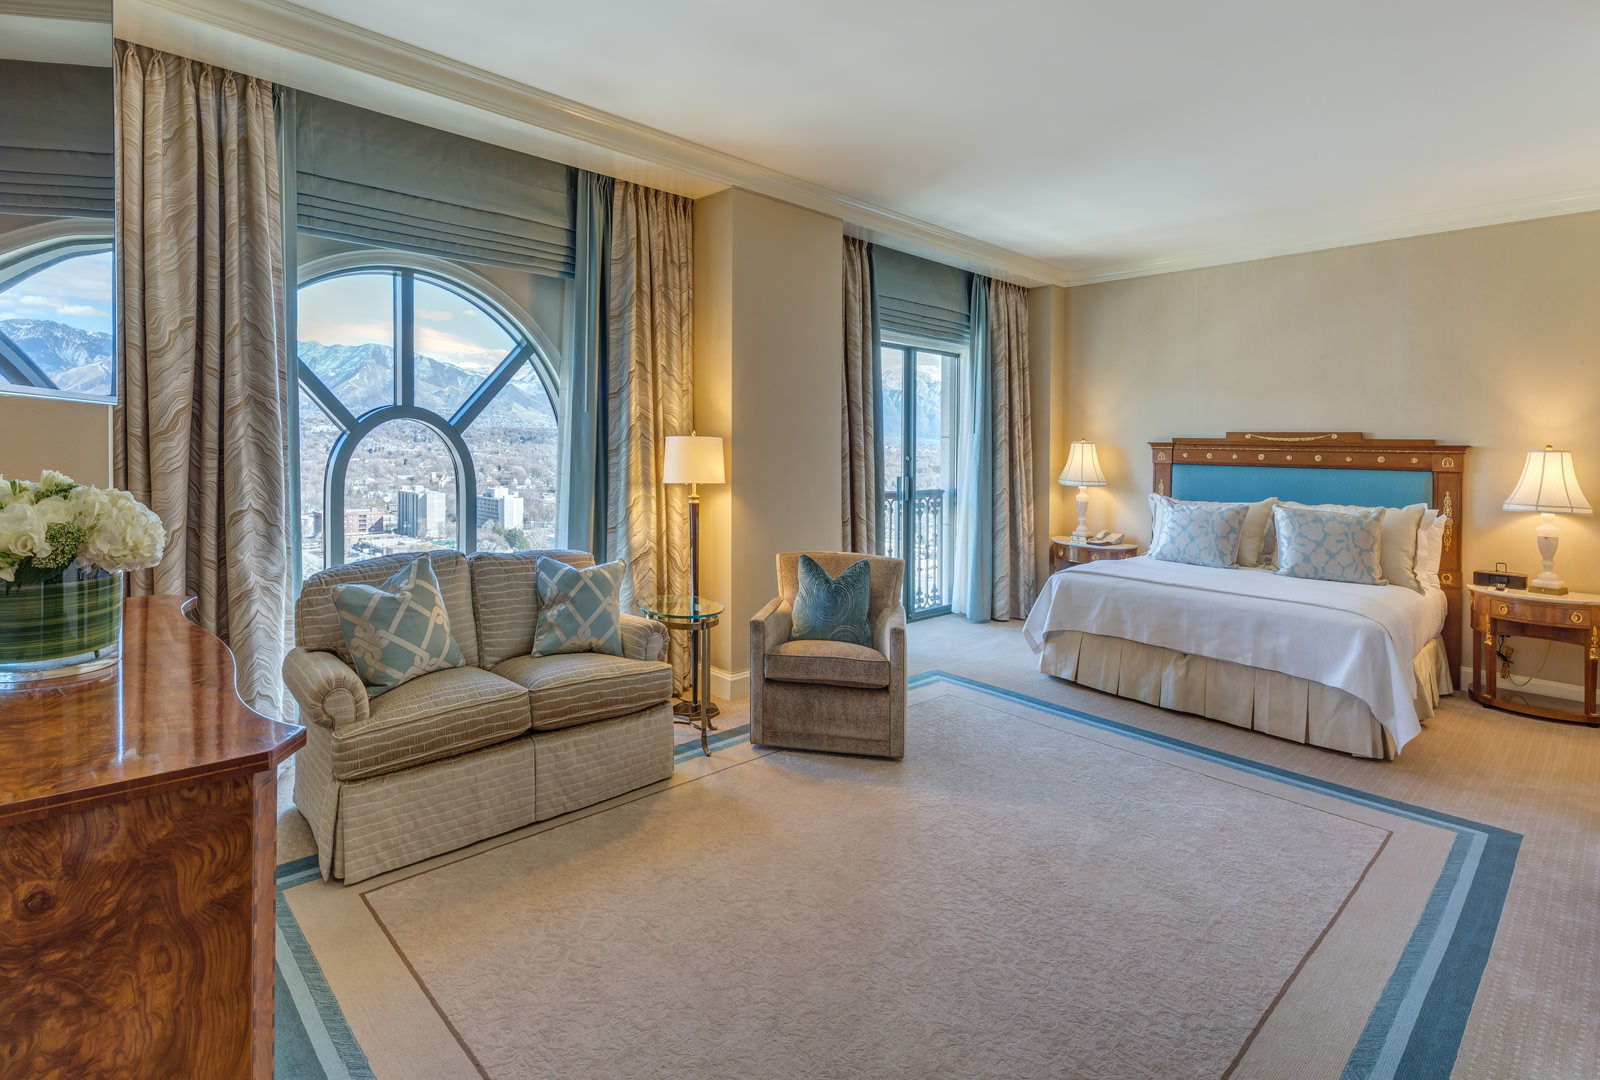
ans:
x=60 y=628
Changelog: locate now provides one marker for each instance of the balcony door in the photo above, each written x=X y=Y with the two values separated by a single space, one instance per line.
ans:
x=919 y=392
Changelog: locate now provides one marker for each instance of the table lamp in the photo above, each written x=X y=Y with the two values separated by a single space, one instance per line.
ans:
x=1549 y=486
x=1082 y=472
x=693 y=460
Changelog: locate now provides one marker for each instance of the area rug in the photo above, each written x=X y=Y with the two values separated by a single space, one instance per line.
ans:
x=1031 y=892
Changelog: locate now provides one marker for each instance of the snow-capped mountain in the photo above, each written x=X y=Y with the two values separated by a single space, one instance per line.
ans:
x=74 y=359
x=362 y=376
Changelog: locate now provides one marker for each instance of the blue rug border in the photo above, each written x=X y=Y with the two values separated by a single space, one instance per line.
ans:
x=1425 y=1004
x=1482 y=859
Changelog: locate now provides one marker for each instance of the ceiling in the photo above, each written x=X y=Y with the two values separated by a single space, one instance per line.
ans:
x=1104 y=139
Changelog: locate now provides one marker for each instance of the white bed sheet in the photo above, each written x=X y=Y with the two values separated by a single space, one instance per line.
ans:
x=1359 y=638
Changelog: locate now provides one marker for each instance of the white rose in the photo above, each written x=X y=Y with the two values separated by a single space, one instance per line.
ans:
x=22 y=531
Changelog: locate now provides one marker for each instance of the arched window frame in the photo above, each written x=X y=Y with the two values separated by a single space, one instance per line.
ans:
x=533 y=347
x=23 y=253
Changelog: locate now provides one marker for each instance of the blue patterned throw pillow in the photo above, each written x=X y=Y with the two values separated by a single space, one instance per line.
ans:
x=833 y=608
x=397 y=630
x=579 y=610
x=1330 y=545
x=1202 y=534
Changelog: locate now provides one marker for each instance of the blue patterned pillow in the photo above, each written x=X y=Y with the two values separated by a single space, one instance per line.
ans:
x=1203 y=534
x=1330 y=545
x=833 y=609
x=579 y=610
x=397 y=630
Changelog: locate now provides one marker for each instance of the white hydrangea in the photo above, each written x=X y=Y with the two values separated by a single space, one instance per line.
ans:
x=126 y=534
x=21 y=536
x=120 y=533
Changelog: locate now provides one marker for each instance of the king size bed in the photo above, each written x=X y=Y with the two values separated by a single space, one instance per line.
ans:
x=1353 y=665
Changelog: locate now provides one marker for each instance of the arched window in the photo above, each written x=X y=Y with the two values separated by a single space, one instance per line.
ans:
x=427 y=419
x=56 y=318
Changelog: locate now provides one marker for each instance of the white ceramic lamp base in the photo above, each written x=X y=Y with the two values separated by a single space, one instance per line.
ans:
x=1549 y=536
x=1081 y=533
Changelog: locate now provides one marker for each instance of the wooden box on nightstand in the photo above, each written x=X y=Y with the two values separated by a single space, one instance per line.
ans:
x=1064 y=552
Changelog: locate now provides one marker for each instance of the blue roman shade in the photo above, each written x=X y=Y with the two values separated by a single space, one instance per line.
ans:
x=375 y=179
x=917 y=296
x=56 y=125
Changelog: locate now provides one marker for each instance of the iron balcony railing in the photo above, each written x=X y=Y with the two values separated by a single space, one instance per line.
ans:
x=930 y=559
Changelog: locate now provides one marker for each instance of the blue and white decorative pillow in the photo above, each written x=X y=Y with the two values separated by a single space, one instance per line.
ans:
x=1330 y=545
x=397 y=630
x=1202 y=534
x=579 y=610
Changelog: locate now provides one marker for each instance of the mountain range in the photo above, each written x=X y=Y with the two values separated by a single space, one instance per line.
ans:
x=74 y=359
x=362 y=376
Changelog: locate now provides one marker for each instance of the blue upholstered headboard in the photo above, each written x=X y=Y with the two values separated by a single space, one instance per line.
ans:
x=1250 y=483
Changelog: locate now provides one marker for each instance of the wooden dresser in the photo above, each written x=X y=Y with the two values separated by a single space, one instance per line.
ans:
x=138 y=812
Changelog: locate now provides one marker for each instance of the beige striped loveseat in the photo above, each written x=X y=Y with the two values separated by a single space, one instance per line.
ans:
x=455 y=756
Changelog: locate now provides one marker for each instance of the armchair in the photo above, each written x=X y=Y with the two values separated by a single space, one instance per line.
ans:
x=831 y=695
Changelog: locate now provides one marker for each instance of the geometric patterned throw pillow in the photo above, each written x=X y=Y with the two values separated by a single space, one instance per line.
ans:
x=397 y=630
x=579 y=610
x=832 y=608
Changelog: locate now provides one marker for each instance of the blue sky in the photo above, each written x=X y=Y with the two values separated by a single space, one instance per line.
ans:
x=75 y=291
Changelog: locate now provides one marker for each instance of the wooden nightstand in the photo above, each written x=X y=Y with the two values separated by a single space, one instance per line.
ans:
x=1065 y=553
x=1573 y=618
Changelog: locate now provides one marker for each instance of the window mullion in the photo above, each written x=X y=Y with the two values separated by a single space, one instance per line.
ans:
x=405 y=367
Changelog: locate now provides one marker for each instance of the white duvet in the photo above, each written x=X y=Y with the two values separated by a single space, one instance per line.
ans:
x=1358 y=638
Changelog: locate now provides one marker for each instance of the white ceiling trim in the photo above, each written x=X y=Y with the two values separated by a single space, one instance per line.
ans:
x=96 y=11
x=295 y=29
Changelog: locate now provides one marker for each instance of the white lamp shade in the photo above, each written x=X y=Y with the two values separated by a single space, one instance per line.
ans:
x=1083 y=467
x=1549 y=485
x=693 y=459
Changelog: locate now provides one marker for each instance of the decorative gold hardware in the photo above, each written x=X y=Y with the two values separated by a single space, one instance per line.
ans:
x=1261 y=457
x=1161 y=485
x=1594 y=644
x=1380 y=459
x=1161 y=455
x=1575 y=616
x=1236 y=457
x=1347 y=457
x=1290 y=438
x=1449 y=520
x=1501 y=609
x=1186 y=453
x=1447 y=578
x=1448 y=463
x=1208 y=455
x=1488 y=642
x=1316 y=457
x=1288 y=457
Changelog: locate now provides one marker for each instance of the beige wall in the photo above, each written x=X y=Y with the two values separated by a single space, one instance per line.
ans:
x=768 y=372
x=1487 y=336
x=73 y=437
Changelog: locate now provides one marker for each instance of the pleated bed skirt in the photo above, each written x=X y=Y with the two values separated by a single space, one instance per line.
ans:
x=1270 y=701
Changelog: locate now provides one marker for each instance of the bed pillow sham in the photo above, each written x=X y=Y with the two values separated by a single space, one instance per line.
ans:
x=1330 y=545
x=1253 y=549
x=1401 y=526
x=1430 y=548
x=1200 y=534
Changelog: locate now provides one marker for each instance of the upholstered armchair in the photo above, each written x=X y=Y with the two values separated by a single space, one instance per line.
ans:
x=831 y=695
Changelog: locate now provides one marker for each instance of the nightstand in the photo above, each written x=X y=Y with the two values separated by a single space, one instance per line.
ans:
x=1065 y=553
x=1573 y=619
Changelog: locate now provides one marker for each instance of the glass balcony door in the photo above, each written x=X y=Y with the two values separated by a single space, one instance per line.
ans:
x=919 y=392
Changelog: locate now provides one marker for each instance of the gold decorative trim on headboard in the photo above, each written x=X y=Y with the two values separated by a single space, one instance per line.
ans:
x=1291 y=438
x=1449 y=510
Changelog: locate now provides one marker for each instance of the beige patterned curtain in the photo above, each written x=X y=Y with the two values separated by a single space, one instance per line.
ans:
x=650 y=387
x=1013 y=451
x=202 y=372
x=860 y=452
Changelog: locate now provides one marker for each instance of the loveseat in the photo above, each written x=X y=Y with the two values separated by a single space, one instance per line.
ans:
x=454 y=756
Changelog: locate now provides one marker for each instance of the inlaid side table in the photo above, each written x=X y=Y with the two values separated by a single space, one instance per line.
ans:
x=698 y=616
x=1573 y=618
x=1065 y=552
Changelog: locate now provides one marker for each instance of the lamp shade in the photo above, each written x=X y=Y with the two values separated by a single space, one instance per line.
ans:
x=1549 y=485
x=693 y=459
x=1083 y=467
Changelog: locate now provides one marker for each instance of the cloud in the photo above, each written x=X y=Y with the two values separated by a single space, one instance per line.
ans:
x=435 y=315
x=455 y=349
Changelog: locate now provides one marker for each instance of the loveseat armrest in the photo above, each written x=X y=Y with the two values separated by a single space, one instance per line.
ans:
x=642 y=638
x=329 y=693
x=769 y=628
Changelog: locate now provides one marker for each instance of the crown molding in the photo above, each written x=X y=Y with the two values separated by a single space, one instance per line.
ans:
x=95 y=11
x=297 y=30
x=1425 y=224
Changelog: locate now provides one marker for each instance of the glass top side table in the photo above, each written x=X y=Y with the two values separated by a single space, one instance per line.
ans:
x=697 y=615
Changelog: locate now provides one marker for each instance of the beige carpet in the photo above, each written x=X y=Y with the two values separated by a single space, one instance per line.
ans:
x=1020 y=897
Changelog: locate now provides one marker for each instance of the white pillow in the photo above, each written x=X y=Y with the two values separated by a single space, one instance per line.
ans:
x=1252 y=537
x=1430 y=548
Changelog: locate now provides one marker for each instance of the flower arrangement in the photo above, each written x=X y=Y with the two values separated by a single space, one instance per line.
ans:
x=47 y=527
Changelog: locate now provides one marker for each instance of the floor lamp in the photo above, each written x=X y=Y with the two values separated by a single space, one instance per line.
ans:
x=694 y=460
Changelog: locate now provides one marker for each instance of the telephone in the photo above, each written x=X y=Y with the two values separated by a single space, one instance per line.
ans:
x=1106 y=537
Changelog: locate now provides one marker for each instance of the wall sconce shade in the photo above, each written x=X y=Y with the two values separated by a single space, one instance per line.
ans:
x=693 y=459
